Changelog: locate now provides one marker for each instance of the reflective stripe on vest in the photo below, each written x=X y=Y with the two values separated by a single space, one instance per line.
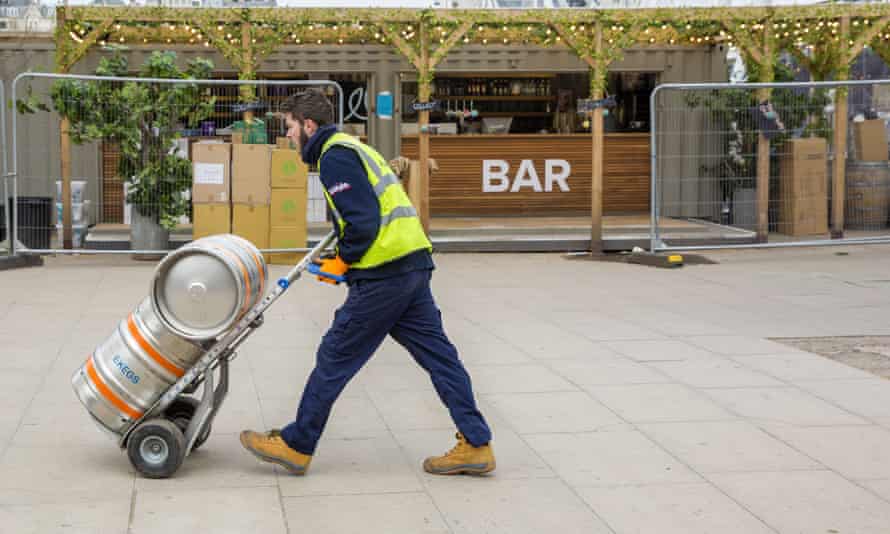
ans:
x=401 y=232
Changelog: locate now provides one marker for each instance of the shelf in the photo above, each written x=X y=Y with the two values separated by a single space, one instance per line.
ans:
x=487 y=75
x=518 y=114
x=508 y=98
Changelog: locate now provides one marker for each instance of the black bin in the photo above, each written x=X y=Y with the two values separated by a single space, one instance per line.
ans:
x=35 y=218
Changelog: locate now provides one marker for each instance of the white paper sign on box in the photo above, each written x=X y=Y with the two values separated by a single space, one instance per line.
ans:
x=209 y=173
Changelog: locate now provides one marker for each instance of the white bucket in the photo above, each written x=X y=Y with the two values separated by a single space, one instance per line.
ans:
x=77 y=212
x=77 y=188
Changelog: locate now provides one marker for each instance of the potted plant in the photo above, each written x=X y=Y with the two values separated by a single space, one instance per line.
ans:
x=145 y=120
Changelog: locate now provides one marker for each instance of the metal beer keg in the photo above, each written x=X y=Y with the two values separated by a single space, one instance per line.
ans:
x=202 y=289
x=132 y=368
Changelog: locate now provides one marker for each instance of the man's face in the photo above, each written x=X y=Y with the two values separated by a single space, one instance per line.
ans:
x=299 y=131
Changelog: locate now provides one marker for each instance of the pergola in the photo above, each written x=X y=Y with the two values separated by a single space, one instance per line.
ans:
x=825 y=39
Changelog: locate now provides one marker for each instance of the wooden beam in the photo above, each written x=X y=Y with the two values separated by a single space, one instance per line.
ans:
x=763 y=166
x=65 y=154
x=64 y=62
x=423 y=90
x=404 y=47
x=246 y=69
x=839 y=180
x=574 y=45
x=865 y=38
x=449 y=43
x=598 y=133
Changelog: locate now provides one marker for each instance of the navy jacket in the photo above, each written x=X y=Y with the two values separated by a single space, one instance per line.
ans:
x=346 y=181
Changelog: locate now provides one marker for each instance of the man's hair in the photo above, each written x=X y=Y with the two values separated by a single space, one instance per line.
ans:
x=310 y=104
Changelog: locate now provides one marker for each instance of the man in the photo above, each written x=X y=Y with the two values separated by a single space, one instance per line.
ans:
x=385 y=257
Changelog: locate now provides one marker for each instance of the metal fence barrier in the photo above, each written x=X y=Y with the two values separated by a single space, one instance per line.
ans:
x=755 y=165
x=131 y=161
x=8 y=190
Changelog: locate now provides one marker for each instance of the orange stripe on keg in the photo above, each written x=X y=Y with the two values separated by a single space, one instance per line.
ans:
x=109 y=395
x=146 y=346
x=259 y=268
x=243 y=268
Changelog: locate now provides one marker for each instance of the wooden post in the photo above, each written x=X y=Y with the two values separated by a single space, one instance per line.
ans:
x=839 y=182
x=247 y=92
x=597 y=130
x=423 y=90
x=65 y=155
x=763 y=166
x=762 y=186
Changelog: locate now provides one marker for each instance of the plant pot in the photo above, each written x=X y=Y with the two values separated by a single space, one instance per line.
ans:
x=146 y=234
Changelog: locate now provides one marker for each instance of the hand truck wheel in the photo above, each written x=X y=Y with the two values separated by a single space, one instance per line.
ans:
x=156 y=448
x=181 y=411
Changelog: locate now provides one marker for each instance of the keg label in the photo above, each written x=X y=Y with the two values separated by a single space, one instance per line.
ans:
x=125 y=369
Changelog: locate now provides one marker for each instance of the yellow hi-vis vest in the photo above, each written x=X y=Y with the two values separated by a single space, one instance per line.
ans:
x=401 y=232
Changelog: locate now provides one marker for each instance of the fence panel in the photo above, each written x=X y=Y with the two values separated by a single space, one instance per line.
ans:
x=6 y=187
x=131 y=159
x=753 y=165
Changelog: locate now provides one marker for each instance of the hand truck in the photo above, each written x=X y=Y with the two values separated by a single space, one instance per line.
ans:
x=156 y=443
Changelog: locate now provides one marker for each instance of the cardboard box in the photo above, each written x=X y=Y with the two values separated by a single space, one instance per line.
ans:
x=237 y=138
x=287 y=237
x=211 y=219
x=210 y=173
x=288 y=170
x=250 y=174
x=288 y=207
x=803 y=187
x=285 y=143
x=870 y=140
x=251 y=221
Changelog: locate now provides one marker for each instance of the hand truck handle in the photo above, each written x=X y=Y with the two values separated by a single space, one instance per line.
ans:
x=307 y=260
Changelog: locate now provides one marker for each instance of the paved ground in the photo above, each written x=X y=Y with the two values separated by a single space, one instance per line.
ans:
x=623 y=399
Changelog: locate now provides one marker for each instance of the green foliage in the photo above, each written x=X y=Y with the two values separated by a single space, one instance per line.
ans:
x=800 y=110
x=144 y=119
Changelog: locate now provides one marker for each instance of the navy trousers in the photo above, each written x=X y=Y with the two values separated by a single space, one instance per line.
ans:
x=403 y=307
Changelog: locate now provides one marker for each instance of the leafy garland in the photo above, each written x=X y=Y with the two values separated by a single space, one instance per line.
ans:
x=813 y=34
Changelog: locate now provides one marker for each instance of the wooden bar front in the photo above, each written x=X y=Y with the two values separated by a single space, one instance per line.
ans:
x=456 y=189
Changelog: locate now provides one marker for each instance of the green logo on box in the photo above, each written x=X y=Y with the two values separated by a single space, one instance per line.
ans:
x=289 y=167
x=289 y=206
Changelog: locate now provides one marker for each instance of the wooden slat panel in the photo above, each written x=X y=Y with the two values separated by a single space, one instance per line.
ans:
x=456 y=188
x=112 y=187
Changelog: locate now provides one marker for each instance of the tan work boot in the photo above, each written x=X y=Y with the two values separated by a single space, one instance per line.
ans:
x=462 y=459
x=269 y=447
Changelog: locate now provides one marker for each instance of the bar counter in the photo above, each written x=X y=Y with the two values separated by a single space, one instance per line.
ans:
x=553 y=171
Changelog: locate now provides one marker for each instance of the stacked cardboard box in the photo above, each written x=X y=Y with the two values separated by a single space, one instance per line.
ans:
x=803 y=187
x=871 y=140
x=255 y=191
x=288 y=214
x=251 y=193
x=211 y=199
